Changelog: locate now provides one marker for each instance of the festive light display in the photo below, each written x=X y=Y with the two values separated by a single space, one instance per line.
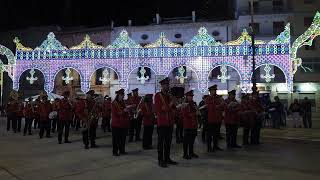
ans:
x=87 y=44
x=124 y=55
x=142 y=79
x=67 y=78
x=224 y=74
x=181 y=76
x=268 y=76
x=105 y=77
x=32 y=78
x=305 y=39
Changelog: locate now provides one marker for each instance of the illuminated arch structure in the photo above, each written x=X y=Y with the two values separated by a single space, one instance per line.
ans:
x=201 y=54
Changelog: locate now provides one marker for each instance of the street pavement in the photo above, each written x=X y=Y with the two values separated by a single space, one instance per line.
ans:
x=31 y=158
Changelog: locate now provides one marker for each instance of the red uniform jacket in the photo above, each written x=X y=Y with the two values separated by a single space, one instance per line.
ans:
x=147 y=113
x=231 y=112
x=79 y=109
x=12 y=107
x=165 y=113
x=215 y=109
x=65 y=110
x=28 y=112
x=106 y=110
x=189 y=116
x=20 y=109
x=44 y=110
x=120 y=118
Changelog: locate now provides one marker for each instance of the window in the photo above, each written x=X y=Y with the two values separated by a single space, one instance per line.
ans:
x=98 y=75
x=215 y=33
x=278 y=27
x=255 y=27
x=277 y=5
x=144 y=36
x=308 y=1
x=148 y=72
x=312 y=47
x=177 y=35
x=307 y=21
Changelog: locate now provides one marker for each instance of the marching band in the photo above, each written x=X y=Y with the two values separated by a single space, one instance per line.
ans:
x=126 y=117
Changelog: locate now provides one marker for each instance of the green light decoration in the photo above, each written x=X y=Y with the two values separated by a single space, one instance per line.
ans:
x=224 y=74
x=142 y=79
x=203 y=39
x=9 y=54
x=284 y=36
x=32 y=78
x=181 y=76
x=162 y=42
x=124 y=41
x=268 y=76
x=305 y=39
x=51 y=43
x=67 y=78
x=87 y=44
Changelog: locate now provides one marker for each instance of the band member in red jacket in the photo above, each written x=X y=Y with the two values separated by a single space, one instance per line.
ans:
x=232 y=120
x=55 y=107
x=106 y=114
x=28 y=116
x=256 y=105
x=65 y=117
x=120 y=123
x=136 y=121
x=190 y=125
x=145 y=110
x=215 y=105
x=44 y=111
x=79 y=109
x=11 y=110
x=247 y=116
x=164 y=105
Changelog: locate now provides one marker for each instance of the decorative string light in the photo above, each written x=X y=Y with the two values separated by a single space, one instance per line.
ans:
x=180 y=75
x=224 y=74
x=68 y=77
x=32 y=78
x=268 y=76
x=87 y=44
x=162 y=42
x=202 y=39
x=142 y=79
x=105 y=77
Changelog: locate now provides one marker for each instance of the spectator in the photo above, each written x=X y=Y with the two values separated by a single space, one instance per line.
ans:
x=295 y=109
x=276 y=110
x=306 y=113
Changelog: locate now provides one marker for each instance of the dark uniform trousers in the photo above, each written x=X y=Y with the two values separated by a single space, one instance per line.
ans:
x=135 y=128
x=213 y=135
x=89 y=134
x=36 y=122
x=204 y=130
x=76 y=122
x=164 y=143
x=27 y=125
x=19 y=119
x=45 y=126
x=119 y=140
x=147 y=136
x=106 y=124
x=12 y=120
x=231 y=135
x=63 y=125
x=179 y=132
x=188 y=141
x=255 y=133
x=54 y=124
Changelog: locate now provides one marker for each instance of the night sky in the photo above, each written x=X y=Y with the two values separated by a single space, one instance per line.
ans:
x=17 y=14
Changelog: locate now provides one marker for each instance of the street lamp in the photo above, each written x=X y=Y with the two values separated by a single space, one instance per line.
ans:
x=254 y=82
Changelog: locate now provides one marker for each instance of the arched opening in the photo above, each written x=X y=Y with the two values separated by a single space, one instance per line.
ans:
x=104 y=81
x=143 y=78
x=269 y=74
x=31 y=82
x=182 y=79
x=226 y=77
x=67 y=79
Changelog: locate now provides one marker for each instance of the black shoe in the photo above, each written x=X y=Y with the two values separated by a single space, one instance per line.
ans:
x=130 y=140
x=236 y=146
x=138 y=139
x=123 y=153
x=171 y=162
x=67 y=141
x=211 y=150
x=30 y=134
x=60 y=142
x=218 y=148
x=116 y=154
x=94 y=146
x=186 y=157
x=163 y=164
x=48 y=136
x=24 y=134
x=193 y=155
x=86 y=147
